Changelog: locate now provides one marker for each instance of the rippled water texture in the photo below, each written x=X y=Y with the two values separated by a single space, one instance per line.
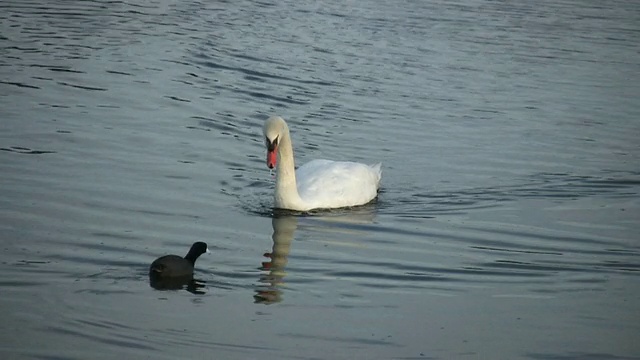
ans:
x=507 y=226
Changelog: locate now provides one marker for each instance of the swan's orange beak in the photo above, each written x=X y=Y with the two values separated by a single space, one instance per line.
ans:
x=272 y=156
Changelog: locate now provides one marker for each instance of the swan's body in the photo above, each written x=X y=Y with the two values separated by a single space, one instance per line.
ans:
x=318 y=184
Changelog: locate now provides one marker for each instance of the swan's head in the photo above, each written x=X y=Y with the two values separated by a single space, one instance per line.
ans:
x=274 y=129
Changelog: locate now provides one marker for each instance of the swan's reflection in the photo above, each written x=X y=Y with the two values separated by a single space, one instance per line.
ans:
x=269 y=292
x=284 y=224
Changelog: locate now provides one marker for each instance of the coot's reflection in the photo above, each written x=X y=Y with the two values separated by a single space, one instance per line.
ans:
x=188 y=283
x=269 y=291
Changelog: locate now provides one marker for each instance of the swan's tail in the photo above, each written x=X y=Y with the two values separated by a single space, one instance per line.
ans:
x=377 y=169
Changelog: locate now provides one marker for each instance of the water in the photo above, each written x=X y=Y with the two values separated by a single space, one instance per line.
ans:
x=506 y=228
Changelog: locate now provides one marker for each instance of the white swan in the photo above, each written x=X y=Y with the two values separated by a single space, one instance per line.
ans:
x=318 y=184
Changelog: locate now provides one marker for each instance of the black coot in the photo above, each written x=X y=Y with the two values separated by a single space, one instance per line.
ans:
x=174 y=270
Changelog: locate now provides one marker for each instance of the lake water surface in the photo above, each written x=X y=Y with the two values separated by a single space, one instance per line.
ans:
x=507 y=225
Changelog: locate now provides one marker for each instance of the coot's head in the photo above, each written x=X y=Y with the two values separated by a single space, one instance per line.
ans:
x=197 y=249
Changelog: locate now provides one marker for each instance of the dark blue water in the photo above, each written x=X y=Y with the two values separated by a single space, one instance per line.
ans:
x=507 y=226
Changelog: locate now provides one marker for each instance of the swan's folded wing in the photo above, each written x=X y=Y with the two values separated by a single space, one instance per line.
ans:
x=330 y=184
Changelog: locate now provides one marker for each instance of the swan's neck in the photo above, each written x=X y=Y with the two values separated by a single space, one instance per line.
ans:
x=286 y=196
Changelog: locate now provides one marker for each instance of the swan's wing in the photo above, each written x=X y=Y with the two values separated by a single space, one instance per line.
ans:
x=330 y=184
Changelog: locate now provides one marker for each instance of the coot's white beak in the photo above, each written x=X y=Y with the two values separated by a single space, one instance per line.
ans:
x=208 y=251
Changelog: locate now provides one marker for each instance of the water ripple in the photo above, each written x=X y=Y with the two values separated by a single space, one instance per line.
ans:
x=507 y=132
